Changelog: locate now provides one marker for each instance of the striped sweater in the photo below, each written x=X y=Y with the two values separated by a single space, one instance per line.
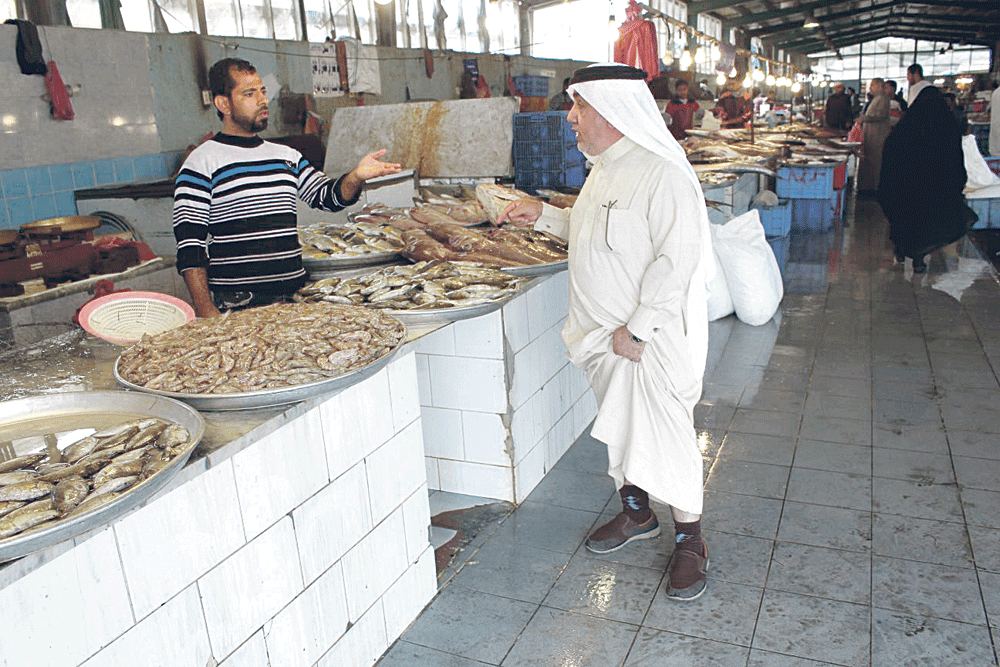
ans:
x=234 y=213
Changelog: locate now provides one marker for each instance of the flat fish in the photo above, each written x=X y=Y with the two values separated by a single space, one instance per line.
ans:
x=19 y=462
x=17 y=477
x=70 y=492
x=25 y=490
x=13 y=526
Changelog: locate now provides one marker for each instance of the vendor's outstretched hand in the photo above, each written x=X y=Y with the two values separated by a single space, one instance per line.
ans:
x=521 y=213
x=371 y=167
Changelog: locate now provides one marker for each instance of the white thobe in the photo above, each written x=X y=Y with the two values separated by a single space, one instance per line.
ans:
x=634 y=249
x=995 y=123
x=915 y=89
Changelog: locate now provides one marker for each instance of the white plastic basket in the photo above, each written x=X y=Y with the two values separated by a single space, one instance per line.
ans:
x=124 y=317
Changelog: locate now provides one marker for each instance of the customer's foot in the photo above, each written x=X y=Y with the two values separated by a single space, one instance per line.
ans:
x=686 y=570
x=900 y=257
x=621 y=530
x=919 y=266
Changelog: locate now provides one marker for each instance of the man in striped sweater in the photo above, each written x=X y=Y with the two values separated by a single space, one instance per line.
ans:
x=234 y=201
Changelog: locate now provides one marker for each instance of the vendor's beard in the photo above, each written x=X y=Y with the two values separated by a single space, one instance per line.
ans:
x=251 y=124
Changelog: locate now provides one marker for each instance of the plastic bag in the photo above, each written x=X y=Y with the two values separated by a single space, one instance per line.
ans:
x=977 y=171
x=857 y=133
x=61 y=108
x=720 y=301
x=751 y=269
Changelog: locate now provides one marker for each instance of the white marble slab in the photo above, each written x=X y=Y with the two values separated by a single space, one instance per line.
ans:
x=529 y=471
x=253 y=653
x=404 y=391
x=442 y=432
x=416 y=521
x=466 y=383
x=354 y=422
x=480 y=337
x=408 y=595
x=81 y=594
x=168 y=544
x=395 y=470
x=362 y=645
x=278 y=473
x=476 y=479
x=174 y=634
x=515 y=323
x=311 y=623
x=373 y=564
x=331 y=522
x=249 y=587
x=485 y=438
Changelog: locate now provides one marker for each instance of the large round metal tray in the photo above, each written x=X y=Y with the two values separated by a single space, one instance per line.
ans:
x=421 y=318
x=537 y=269
x=78 y=405
x=270 y=397
x=325 y=264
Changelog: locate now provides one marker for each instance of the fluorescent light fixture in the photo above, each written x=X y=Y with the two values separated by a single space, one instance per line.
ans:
x=810 y=22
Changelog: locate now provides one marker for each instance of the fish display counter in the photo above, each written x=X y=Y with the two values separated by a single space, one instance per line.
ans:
x=297 y=530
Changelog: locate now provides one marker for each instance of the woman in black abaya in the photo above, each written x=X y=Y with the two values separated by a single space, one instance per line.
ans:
x=921 y=182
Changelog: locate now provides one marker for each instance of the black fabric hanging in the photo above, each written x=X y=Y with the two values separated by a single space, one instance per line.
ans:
x=29 y=48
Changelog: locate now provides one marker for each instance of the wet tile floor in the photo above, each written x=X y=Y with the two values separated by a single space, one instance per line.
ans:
x=852 y=494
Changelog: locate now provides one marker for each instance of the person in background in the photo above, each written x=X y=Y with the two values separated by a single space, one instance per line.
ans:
x=561 y=101
x=923 y=175
x=234 y=214
x=995 y=120
x=895 y=108
x=915 y=78
x=733 y=109
x=855 y=102
x=957 y=111
x=876 y=125
x=838 y=114
x=681 y=110
x=640 y=258
x=897 y=95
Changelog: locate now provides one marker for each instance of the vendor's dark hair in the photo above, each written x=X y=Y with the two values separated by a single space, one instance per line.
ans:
x=220 y=76
x=890 y=82
x=915 y=68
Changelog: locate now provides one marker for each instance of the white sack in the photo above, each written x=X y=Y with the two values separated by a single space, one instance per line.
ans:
x=978 y=174
x=720 y=301
x=751 y=269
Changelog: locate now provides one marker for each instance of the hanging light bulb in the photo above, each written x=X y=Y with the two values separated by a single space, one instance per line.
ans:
x=613 y=33
x=699 y=55
x=720 y=79
x=747 y=81
x=770 y=80
x=733 y=73
x=758 y=75
x=686 y=59
x=796 y=87
x=716 y=53
x=822 y=84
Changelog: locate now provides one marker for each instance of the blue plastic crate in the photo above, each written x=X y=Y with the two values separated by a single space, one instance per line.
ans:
x=532 y=86
x=812 y=214
x=779 y=246
x=777 y=220
x=571 y=176
x=988 y=211
x=805 y=181
x=542 y=126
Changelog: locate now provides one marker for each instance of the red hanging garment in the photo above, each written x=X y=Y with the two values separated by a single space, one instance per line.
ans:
x=60 y=107
x=636 y=44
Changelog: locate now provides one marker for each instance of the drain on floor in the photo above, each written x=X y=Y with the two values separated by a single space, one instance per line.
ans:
x=467 y=524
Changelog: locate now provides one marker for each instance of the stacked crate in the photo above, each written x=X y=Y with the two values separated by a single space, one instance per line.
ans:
x=545 y=152
x=815 y=201
x=533 y=91
x=777 y=223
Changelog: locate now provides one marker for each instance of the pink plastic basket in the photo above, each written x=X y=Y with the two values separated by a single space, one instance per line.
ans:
x=124 y=317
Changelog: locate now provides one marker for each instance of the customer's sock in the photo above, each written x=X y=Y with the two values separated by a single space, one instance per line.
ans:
x=687 y=531
x=635 y=503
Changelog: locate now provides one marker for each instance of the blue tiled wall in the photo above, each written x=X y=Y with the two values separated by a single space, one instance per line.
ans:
x=36 y=193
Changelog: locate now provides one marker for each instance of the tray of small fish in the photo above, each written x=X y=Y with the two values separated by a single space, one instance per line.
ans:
x=74 y=461
x=327 y=246
x=532 y=270
x=263 y=357
x=426 y=292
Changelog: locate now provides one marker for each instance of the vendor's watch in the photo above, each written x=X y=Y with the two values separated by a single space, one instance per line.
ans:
x=636 y=339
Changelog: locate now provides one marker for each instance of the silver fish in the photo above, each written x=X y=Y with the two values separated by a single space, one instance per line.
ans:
x=93 y=502
x=172 y=436
x=70 y=492
x=119 y=429
x=113 y=470
x=8 y=506
x=78 y=450
x=19 y=462
x=17 y=477
x=25 y=490
x=35 y=506
x=115 y=484
x=13 y=526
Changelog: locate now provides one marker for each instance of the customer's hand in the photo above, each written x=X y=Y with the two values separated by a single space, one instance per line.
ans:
x=521 y=213
x=624 y=346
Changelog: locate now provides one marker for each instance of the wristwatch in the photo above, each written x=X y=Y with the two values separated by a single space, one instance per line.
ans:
x=636 y=339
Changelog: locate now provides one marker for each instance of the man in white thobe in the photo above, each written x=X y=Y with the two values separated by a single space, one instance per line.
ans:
x=638 y=324
x=916 y=81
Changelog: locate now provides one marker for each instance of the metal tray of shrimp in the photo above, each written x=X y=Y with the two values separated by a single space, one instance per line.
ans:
x=531 y=270
x=35 y=424
x=268 y=398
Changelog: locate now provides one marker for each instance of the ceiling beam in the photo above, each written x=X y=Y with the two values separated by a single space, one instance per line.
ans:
x=812 y=6
x=875 y=32
x=823 y=19
x=703 y=6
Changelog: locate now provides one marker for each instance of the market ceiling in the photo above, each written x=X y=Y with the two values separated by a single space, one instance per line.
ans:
x=782 y=24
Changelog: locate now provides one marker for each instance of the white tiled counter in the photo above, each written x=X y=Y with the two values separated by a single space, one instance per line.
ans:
x=500 y=403
x=304 y=541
